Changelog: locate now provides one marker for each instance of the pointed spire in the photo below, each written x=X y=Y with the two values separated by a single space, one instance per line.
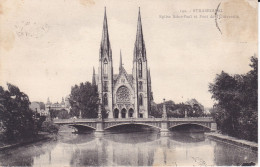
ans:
x=105 y=43
x=120 y=63
x=139 y=42
x=62 y=101
x=139 y=34
x=94 y=77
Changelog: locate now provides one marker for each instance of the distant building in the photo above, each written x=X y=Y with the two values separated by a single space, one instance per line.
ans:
x=35 y=106
x=38 y=107
x=64 y=104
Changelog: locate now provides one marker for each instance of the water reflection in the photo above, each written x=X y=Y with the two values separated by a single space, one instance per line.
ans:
x=122 y=148
x=27 y=155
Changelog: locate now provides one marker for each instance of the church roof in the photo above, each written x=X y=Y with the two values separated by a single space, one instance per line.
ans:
x=129 y=77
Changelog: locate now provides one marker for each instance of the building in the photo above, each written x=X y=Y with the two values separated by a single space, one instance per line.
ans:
x=38 y=107
x=35 y=106
x=64 y=104
x=124 y=95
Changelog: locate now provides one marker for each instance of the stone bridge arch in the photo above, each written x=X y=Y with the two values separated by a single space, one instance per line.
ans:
x=88 y=125
x=206 y=125
x=80 y=126
x=109 y=125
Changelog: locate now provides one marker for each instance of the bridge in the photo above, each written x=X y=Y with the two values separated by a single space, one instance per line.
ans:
x=163 y=124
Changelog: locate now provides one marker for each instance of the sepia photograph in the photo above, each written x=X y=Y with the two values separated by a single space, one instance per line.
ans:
x=128 y=83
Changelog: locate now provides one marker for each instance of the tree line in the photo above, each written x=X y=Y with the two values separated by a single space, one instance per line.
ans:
x=177 y=110
x=17 y=120
x=236 y=101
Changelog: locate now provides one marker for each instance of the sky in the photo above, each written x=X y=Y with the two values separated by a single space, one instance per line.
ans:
x=48 y=46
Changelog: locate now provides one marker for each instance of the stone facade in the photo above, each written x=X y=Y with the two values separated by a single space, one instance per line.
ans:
x=124 y=95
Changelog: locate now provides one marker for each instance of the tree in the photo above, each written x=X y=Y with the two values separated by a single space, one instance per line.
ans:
x=63 y=114
x=198 y=112
x=155 y=112
x=50 y=127
x=84 y=98
x=53 y=113
x=18 y=121
x=236 y=98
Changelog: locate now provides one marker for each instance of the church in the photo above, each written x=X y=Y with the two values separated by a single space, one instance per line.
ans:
x=124 y=95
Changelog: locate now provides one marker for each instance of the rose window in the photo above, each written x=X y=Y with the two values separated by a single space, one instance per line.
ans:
x=123 y=95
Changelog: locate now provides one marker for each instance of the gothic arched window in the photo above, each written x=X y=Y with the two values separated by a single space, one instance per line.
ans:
x=105 y=99
x=140 y=85
x=105 y=66
x=105 y=86
x=141 y=100
x=140 y=73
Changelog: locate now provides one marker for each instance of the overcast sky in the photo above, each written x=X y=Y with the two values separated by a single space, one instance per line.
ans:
x=48 y=46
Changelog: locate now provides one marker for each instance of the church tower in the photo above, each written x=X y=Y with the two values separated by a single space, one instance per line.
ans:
x=140 y=74
x=105 y=70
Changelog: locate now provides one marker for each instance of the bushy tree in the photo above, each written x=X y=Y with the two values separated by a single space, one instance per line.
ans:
x=61 y=114
x=155 y=112
x=176 y=110
x=84 y=98
x=50 y=127
x=17 y=119
x=236 y=98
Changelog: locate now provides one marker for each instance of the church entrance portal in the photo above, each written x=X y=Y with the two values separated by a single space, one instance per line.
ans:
x=116 y=113
x=130 y=113
x=123 y=113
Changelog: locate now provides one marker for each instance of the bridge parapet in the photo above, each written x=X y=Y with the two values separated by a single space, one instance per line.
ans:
x=65 y=121
x=162 y=123
x=131 y=119
x=201 y=119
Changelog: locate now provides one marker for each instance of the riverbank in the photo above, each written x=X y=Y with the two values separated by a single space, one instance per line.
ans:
x=40 y=137
x=233 y=140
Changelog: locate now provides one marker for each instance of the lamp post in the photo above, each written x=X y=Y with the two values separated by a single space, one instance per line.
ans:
x=164 y=124
x=99 y=123
x=99 y=110
x=80 y=116
x=185 y=114
x=164 y=115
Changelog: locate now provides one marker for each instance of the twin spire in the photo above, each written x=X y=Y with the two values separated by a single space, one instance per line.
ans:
x=139 y=43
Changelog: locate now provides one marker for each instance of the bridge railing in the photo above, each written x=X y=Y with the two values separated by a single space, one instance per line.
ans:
x=74 y=120
x=132 y=119
x=203 y=119
x=66 y=121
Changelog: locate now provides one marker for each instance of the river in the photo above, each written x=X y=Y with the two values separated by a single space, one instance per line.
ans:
x=142 y=147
